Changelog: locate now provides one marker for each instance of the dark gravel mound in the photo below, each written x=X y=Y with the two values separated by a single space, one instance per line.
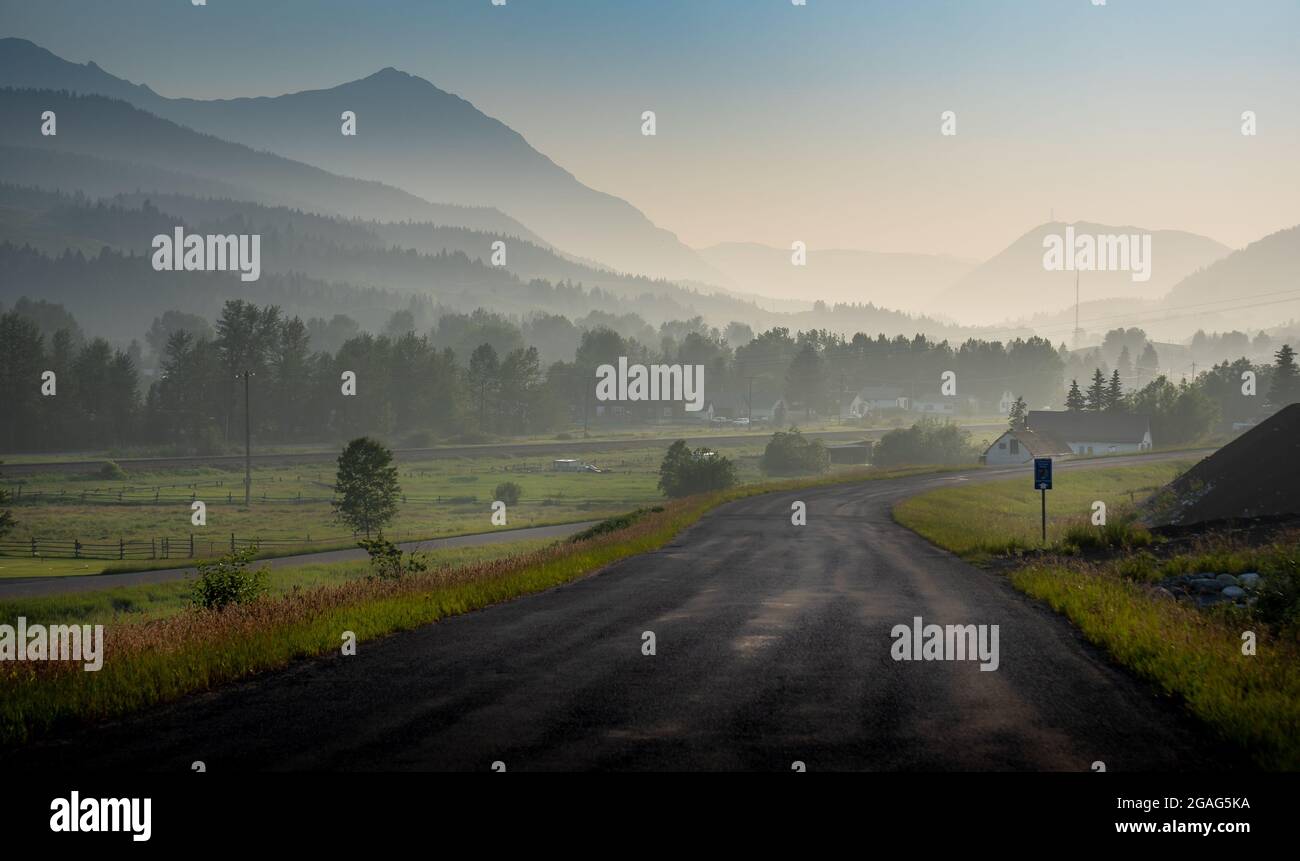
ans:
x=1255 y=475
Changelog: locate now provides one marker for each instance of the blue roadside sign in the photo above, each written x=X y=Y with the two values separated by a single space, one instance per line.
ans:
x=1042 y=473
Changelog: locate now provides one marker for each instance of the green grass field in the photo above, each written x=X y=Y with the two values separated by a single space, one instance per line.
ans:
x=443 y=497
x=1252 y=701
x=993 y=518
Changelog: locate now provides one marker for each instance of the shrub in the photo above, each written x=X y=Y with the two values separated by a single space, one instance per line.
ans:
x=1279 y=593
x=110 y=471
x=388 y=562
x=926 y=442
x=685 y=472
x=1120 y=534
x=508 y=492
x=794 y=454
x=613 y=524
x=228 y=581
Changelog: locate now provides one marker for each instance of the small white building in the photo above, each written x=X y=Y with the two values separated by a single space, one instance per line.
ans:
x=1016 y=447
x=873 y=399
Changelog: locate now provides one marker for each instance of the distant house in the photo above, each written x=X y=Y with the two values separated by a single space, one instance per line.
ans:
x=1088 y=432
x=872 y=399
x=735 y=406
x=935 y=405
x=1015 y=447
x=1006 y=402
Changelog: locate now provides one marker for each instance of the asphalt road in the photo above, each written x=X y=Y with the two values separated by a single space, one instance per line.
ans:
x=773 y=645
x=27 y=587
x=409 y=455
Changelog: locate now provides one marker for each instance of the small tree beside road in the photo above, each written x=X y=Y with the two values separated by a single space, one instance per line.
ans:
x=366 y=486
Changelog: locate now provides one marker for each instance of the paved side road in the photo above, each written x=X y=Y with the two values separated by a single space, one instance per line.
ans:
x=26 y=587
x=773 y=645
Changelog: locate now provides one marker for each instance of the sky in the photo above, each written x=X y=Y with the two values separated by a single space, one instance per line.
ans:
x=818 y=123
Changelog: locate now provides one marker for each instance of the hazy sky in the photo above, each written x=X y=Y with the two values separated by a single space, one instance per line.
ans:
x=780 y=122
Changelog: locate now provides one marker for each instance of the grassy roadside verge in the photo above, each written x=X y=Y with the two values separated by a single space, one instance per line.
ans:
x=96 y=569
x=1194 y=655
x=153 y=661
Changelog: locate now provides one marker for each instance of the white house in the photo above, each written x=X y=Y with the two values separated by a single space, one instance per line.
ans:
x=1015 y=447
x=873 y=399
x=1092 y=433
x=1006 y=402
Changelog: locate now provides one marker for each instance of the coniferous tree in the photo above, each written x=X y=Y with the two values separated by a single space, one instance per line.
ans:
x=1097 y=391
x=1019 y=413
x=1286 y=380
x=1115 y=393
x=1075 y=401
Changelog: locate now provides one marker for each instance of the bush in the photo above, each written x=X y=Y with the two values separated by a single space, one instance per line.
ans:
x=388 y=562
x=685 y=472
x=1122 y=534
x=1279 y=593
x=110 y=471
x=228 y=581
x=613 y=524
x=508 y=492
x=794 y=454
x=927 y=442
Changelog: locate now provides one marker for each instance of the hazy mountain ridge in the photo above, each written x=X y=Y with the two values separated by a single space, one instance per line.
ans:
x=402 y=119
x=1265 y=266
x=1013 y=284
x=106 y=129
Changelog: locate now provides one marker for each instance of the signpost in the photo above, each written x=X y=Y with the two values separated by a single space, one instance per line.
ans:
x=1043 y=483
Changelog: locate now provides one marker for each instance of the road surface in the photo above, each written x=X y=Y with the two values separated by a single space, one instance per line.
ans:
x=28 y=587
x=773 y=646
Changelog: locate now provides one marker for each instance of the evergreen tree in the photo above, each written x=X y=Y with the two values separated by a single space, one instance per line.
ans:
x=1075 y=401
x=1019 y=412
x=1097 y=391
x=1115 y=393
x=1286 y=382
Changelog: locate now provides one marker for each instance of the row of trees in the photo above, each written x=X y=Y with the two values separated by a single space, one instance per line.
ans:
x=473 y=374
x=1192 y=408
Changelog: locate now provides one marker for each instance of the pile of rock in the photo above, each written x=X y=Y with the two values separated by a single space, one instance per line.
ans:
x=1208 y=589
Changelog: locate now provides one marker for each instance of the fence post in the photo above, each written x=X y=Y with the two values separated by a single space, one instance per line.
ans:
x=121 y=548
x=33 y=545
x=153 y=548
x=191 y=545
x=76 y=548
x=232 y=542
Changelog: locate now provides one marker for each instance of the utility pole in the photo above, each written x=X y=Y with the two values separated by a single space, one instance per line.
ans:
x=248 y=445
x=750 y=401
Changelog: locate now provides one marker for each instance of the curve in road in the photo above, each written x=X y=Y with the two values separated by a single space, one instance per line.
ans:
x=772 y=645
